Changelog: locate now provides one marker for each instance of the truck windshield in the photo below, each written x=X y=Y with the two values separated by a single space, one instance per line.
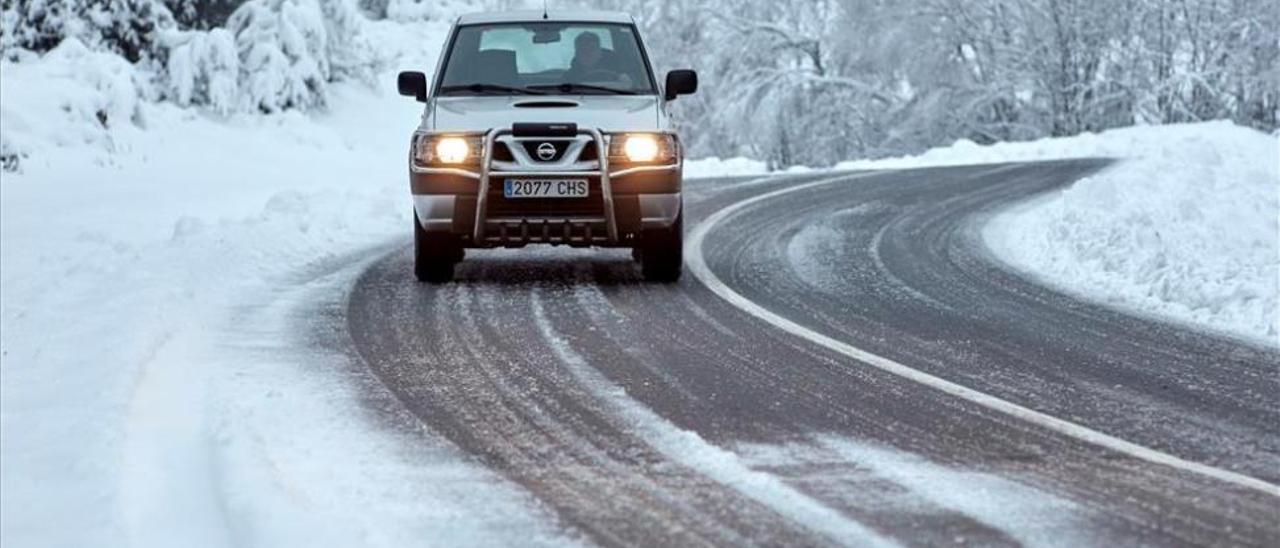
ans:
x=546 y=58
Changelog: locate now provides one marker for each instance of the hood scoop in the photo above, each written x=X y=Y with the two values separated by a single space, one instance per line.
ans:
x=546 y=103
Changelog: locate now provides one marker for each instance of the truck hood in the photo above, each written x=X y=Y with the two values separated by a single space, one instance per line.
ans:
x=606 y=112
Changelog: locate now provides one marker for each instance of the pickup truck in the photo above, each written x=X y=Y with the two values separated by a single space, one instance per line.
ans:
x=546 y=128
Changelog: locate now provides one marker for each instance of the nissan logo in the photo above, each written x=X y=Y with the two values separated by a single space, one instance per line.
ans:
x=546 y=151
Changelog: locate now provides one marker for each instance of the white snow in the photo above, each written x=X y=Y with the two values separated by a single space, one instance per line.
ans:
x=728 y=167
x=71 y=97
x=155 y=389
x=1186 y=226
x=699 y=168
x=429 y=10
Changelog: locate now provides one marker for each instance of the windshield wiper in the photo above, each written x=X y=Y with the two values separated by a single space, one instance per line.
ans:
x=568 y=87
x=481 y=88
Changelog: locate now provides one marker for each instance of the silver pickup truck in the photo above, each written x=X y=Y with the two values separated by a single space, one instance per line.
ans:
x=546 y=128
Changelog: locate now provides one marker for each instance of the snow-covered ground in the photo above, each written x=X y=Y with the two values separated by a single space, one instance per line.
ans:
x=1186 y=226
x=155 y=389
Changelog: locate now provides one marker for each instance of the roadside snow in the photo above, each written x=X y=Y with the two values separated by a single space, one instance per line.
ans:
x=71 y=97
x=717 y=167
x=700 y=168
x=154 y=388
x=1185 y=227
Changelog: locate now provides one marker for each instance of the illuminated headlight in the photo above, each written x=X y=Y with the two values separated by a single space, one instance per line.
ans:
x=644 y=148
x=450 y=150
x=641 y=148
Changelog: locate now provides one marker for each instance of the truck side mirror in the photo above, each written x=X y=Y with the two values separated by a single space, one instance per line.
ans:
x=413 y=84
x=681 y=82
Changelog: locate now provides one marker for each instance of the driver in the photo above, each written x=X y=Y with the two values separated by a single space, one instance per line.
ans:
x=588 y=58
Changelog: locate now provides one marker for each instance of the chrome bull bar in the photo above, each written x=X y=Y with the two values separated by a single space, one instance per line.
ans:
x=487 y=173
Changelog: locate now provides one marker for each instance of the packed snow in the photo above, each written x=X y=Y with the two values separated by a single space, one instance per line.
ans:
x=1185 y=226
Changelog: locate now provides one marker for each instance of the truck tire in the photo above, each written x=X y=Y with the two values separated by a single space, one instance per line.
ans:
x=434 y=255
x=662 y=252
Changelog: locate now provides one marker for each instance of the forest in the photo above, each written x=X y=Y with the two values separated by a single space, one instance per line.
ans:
x=790 y=82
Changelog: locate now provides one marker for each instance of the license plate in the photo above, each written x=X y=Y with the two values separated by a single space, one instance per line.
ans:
x=545 y=188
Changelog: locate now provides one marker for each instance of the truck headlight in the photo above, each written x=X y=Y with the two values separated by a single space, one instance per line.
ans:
x=446 y=150
x=641 y=148
x=452 y=150
x=644 y=148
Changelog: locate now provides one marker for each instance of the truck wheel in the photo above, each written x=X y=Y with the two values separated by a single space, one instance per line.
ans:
x=434 y=255
x=662 y=252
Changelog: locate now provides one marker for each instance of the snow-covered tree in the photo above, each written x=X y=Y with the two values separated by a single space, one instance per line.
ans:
x=202 y=14
x=128 y=27
x=282 y=46
x=427 y=10
x=204 y=69
x=38 y=25
x=812 y=81
x=789 y=81
x=289 y=50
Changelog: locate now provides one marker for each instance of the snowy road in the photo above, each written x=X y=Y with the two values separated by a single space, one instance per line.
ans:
x=652 y=414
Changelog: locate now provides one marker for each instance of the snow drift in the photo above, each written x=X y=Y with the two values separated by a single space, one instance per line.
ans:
x=1184 y=226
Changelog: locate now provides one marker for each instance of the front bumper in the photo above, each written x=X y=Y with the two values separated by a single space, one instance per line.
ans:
x=623 y=202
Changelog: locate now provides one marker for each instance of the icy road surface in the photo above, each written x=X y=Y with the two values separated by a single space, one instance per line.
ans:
x=665 y=414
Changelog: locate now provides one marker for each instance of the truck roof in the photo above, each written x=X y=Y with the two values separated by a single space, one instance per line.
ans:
x=530 y=16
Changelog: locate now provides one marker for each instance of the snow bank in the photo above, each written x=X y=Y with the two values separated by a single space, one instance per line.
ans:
x=154 y=388
x=1184 y=227
x=69 y=97
x=730 y=167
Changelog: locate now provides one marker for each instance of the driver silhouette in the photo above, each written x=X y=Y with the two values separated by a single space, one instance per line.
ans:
x=587 y=57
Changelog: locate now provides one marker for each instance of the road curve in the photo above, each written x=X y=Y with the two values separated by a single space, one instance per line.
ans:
x=662 y=414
